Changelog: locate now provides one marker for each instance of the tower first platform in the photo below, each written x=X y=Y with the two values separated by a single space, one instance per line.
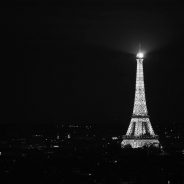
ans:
x=140 y=132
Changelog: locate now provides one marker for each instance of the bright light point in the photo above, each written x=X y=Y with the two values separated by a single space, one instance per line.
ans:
x=140 y=55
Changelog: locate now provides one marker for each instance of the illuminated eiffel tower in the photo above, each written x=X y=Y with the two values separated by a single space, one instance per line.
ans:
x=140 y=132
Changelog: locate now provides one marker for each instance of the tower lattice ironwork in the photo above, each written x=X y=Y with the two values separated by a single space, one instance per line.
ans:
x=140 y=132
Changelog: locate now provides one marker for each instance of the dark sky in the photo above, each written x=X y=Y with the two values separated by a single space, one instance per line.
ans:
x=76 y=60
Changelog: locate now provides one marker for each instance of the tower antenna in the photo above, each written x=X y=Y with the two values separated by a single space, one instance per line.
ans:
x=140 y=47
x=140 y=54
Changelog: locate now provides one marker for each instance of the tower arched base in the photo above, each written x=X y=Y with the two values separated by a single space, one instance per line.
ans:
x=138 y=143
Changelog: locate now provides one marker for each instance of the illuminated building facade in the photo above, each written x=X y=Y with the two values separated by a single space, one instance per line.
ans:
x=140 y=132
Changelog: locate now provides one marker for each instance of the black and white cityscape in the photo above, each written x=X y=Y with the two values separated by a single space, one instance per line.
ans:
x=86 y=152
x=92 y=92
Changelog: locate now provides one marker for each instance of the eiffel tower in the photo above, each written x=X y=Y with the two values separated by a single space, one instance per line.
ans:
x=140 y=132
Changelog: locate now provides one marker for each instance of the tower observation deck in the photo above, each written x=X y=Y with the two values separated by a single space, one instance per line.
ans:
x=140 y=132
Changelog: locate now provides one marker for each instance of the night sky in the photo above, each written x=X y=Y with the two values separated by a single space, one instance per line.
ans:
x=76 y=60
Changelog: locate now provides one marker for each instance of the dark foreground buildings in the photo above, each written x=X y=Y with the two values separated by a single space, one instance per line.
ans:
x=85 y=153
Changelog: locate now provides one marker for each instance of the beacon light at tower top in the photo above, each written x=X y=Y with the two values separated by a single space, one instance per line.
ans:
x=140 y=55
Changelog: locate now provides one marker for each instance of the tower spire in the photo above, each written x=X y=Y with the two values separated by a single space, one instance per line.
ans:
x=139 y=47
x=140 y=53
